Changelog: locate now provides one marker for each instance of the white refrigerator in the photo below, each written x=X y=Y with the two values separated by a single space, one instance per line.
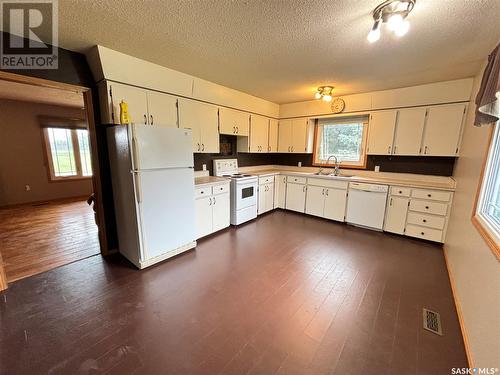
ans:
x=153 y=191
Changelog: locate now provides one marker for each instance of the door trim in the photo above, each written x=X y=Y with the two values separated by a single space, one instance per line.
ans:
x=96 y=178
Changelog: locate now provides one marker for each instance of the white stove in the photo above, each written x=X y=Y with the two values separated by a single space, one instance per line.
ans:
x=243 y=190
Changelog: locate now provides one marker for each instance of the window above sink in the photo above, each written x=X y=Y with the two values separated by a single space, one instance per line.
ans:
x=344 y=138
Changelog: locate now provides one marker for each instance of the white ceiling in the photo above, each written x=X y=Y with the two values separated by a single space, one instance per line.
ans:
x=35 y=94
x=281 y=50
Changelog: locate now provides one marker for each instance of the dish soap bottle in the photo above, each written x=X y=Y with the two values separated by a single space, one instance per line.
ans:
x=124 y=116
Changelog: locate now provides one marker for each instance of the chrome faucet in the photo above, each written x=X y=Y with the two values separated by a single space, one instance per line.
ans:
x=336 y=166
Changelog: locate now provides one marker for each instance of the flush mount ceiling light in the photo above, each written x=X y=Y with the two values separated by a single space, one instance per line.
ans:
x=393 y=13
x=324 y=93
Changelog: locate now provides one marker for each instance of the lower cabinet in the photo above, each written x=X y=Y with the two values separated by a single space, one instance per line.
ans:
x=266 y=198
x=279 y=191
x=212 y=208
x=395 y=214
x=326 y=199
x=296 y=194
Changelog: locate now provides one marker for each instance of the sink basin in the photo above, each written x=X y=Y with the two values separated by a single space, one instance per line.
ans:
x=332 y=175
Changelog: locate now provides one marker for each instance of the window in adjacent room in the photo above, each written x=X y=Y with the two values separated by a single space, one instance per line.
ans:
x=68 y=153
x=487 y=215
x=343 y=138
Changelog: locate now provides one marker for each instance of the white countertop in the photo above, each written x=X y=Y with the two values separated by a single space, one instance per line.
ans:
x=209 y=180
x=395 y=179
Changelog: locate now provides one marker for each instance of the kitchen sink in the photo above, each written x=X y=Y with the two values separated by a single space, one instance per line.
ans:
x=333 y=175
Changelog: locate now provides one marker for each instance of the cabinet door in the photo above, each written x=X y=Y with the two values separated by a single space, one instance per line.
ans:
x=335 y=204
x=162 y=109
x=135 y=98
x=209 y=129
x=233 y=122
x=395 y=215
x=279 y=191
x=299 y=135
x=409 y=131
x=220 y=206
x=285 y=136
x=273 y=136
x=295 y=197
x=442 y=130
x=381 y=132
x=261 y=202
x=270 y=197
x=259 y=128
x=204 y=221
x=315 y=200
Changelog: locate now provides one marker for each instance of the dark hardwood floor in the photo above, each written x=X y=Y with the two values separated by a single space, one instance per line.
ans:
x=35 y=238
x=284 y=294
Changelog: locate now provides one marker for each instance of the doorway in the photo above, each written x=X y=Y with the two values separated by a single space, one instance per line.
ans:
x=51 y=213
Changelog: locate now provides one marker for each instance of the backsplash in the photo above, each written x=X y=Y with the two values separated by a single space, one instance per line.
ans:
x=430 y=165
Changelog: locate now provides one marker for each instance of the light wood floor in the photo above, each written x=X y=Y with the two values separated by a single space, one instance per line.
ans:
x=37 y=238
x=284 y=294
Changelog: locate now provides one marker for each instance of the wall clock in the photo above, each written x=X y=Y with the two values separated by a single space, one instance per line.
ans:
x=338 y=105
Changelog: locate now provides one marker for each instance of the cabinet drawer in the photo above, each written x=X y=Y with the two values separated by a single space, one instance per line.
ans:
x=323 y=182
x=296 y=179
x=400 y=191
x=220 y=189
x=266 y=180
x=424 y=233
x=201 y=192
x=429 y=207
x=424 y=220
x=433 y=195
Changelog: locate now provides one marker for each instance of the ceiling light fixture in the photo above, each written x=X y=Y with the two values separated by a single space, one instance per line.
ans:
x=324 y=93
x=393 y=13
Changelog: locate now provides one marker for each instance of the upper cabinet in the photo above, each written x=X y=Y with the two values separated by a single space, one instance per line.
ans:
x=295 y=135
x=234 y=122
x=202 y=119
x=136 y=99
x=273 y=136
x=409 y=130
x=430 y=131
x=144 y=106
x=443 y=130
x=381 y=132
x=259 y=133
x=162 y=109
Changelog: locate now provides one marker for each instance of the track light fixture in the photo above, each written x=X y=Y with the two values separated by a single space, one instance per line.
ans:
x=393 y=13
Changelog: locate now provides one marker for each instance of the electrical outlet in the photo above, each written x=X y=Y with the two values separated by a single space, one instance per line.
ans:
x=204 y=167
x=299 y=164
x=377 y=168
x=27 y=187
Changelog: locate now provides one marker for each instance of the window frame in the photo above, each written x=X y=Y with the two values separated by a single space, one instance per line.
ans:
x=76 y=150
x=479 y=220
x=364 y=142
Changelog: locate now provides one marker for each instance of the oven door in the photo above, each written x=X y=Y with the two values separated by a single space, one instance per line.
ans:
x=246 y=194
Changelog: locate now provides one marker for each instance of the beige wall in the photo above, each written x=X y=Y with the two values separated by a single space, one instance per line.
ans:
x=473 y=266
x=22 y=155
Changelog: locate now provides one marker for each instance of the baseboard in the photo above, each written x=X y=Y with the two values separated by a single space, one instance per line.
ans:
x=459 y=312
x=46 y=201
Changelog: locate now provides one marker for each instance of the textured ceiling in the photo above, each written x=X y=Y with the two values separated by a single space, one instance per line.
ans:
x=281 y=50
x=35 y=94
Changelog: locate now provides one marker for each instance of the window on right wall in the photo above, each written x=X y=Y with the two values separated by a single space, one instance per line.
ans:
x=487 y=211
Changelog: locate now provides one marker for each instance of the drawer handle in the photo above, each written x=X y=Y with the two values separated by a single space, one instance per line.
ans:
x=202 y=192
x=422 y=233
x=429 y=195
x=400 y=192
x=425 y=221
x=426 y=207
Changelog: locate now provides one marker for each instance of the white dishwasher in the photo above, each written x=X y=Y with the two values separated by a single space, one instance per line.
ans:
x=366 y=205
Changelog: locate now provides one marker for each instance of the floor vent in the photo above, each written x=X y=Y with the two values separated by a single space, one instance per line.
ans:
x=432 y=322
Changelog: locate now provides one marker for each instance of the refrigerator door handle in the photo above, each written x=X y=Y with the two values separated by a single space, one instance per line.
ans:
x=138 y=193
x=135 y=153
